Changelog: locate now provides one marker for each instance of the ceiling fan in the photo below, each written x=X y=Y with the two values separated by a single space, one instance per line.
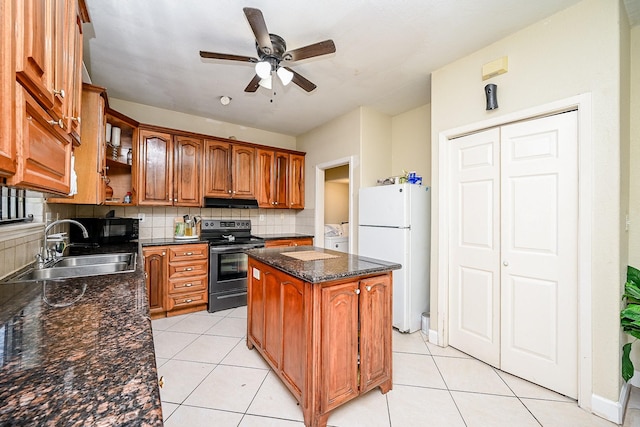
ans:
x=273 y=55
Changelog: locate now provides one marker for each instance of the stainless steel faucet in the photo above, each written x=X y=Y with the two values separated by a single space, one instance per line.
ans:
x=43 y=258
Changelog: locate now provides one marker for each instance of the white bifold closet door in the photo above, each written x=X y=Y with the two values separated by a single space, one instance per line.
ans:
x=513 y=249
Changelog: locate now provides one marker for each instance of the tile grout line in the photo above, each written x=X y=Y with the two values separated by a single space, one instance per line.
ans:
x=449 y=391
x=516 y=395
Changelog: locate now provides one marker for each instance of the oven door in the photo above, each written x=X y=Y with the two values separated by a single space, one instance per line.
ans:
x=228 y=268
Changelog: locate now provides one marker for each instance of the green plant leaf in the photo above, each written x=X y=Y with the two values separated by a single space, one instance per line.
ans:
x=633 y=275
x=627 y=364
x=631 y=312
x=632 y=290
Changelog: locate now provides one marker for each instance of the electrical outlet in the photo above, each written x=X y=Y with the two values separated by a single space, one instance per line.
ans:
x=140 y=216
x=261 y=218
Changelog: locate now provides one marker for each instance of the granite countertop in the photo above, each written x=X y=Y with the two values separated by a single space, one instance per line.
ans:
x=89 y=362
x=278 y=236
x=164 y=241
x=342 y=266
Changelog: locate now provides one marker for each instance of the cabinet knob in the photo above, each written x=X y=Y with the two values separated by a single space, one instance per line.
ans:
x=229 y=191
x=188 y=268
x=368 y=288
x=188 y=300
x=188 y=253
x=74 y=119
x=56 y=122
x=164 y=253
x=357 y=291
x=59 y=92
x=188 y=285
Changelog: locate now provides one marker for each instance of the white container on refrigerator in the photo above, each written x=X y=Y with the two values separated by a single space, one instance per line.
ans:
x=394 y=225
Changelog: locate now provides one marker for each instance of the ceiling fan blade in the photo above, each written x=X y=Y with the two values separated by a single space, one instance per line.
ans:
x=316 y=49
x=253 y=84
x=259 y=28
x=301 y=81
x=227 y=56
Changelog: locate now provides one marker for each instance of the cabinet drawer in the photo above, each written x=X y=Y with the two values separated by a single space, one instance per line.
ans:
x=179 y=253
x=188 y=284
x=186 y=300
x=188 y=269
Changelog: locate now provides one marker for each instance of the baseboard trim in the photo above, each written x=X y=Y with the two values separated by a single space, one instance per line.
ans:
x=614 y=411
x=433 y=337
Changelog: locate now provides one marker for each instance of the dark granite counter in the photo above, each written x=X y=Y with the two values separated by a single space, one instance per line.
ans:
x=161 y=241
x=85 y=363
x=279 y=236
x=324 y=270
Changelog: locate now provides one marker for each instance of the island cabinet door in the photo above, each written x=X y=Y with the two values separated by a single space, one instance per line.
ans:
x=375 y=332
x=339 y=344
x=294 y=333
x=255 y=303
x=272 y=324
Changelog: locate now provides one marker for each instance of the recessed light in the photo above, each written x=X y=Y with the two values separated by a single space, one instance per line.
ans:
x=225 y=100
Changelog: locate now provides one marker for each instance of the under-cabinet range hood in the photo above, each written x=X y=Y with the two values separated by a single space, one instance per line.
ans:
x=215 y=202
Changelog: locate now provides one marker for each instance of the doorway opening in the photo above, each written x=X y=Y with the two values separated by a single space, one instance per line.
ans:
x=335 y=205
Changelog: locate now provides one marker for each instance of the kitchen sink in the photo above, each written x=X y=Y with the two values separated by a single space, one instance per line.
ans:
x=79 y=266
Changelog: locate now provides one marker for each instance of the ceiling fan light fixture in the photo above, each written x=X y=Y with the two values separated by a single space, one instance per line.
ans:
x=285 y=75
x=263 y=69
x=266 y=82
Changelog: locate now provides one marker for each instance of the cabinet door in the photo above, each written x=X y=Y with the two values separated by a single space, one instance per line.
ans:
x=264 y=177
x=73 y=71
x=294 y=333
x=281 y=180
x=339 y=344
x=186 y=176
x=255 y=303
x=243 y=172
x=155 y=268
x=375 y=332
x=296 y=181
x=44 y=148
x=35 y=20
x=272 y=325
x=7 y=88
x=217 y=160
x=155 y=168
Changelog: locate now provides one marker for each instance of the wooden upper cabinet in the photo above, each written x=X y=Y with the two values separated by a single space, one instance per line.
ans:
x=90 y=162
x=229 y=170
x=217 y=161
x=272 y=176
x=187 y=176
x=243 y=172
x=155 y=168
x=8 y=91
x=73 y=73
x=296 y=181
x=44 y=148
x=35 y=26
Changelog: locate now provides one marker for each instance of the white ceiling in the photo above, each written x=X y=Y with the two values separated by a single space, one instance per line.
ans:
x=146 y=51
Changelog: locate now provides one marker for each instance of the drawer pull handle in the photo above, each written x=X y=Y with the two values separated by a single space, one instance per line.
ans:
x=59 y=92
x=188 y=285
x=188 y=268
x=357 y=291
x=188 y=300
x=188 y=253
x=56 y=122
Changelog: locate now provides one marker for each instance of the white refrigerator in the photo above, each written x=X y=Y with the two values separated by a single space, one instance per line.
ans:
x=394 y=225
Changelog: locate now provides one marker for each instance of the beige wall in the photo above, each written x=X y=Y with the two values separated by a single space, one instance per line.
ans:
x=411 y=143
x=572 y=52
x=174 y=120
x=634 y=190
x=336 y=202
x=375 y=146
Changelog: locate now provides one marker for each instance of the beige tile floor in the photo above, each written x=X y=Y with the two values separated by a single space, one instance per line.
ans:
x=211 y=378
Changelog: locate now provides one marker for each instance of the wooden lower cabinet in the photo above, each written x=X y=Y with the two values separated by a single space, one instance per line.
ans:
x=301 y=241
x=177 y=278
x=328 y=342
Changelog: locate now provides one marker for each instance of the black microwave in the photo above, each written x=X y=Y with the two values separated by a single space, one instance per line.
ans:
x=105 y=231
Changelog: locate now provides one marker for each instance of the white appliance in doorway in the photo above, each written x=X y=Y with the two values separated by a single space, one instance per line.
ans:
x=394 y=226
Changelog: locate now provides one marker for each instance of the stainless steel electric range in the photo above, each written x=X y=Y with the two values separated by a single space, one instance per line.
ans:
x=228 y=239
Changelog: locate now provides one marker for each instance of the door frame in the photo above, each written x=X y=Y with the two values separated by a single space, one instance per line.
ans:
x=583 y=104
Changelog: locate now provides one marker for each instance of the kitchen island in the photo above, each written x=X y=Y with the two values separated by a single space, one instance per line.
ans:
x=88 y=362
x=322 y=320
